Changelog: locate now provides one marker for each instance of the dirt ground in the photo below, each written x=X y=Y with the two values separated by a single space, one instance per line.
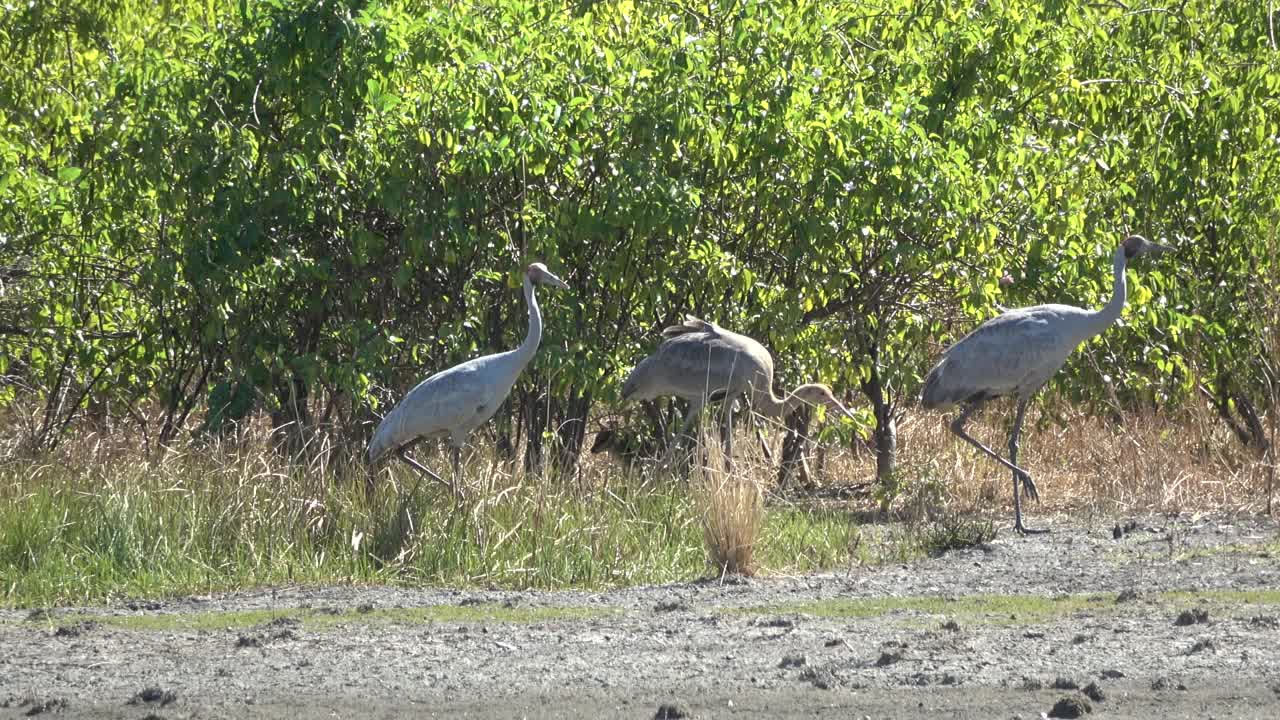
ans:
x=1178 y=617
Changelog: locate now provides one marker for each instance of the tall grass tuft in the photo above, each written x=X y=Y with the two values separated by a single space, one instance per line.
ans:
x=731 y=505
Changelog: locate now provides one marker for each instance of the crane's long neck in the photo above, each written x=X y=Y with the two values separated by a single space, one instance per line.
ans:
x=766 y=403
x=531 y=340
x=1106 y=316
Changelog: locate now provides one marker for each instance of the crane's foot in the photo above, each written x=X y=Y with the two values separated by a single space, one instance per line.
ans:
x=1028 y=487
x=1021 y=529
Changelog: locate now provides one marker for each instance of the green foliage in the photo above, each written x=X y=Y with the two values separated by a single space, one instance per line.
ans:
x=302 y=207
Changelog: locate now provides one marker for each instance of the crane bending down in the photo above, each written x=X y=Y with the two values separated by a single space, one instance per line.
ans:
x=456 y=401
x=700 y=359
x=1015 y=353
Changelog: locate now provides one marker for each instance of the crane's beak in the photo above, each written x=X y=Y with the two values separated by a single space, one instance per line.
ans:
x=548 y=278
x=842 y=409
x=1155 y=249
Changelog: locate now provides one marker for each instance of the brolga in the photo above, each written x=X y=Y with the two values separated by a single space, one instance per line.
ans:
x=456 y=401
x=1015 y=353
x=699 y=360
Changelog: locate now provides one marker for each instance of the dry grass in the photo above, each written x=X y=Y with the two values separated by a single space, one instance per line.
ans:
x=731 y=506
x=1154 y=462
x=100 y=518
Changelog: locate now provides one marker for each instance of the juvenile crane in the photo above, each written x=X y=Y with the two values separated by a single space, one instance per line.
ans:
x=700 y=359
x=456 y=401
x=624 y=446
x=1015 y=353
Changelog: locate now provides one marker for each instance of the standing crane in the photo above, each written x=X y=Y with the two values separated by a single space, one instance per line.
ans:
x=700 y=360
x=1015 y=353
x=456 y=401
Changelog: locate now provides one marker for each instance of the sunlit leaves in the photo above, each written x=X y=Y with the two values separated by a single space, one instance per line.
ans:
x=286 y=190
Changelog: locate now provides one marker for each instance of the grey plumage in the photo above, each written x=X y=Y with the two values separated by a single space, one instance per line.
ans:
x=454 y=402
x=1016 y=353
x=698 y=359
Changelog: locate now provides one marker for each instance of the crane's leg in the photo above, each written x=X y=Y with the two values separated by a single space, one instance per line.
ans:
x=726 y=433
x=957 y=427
x=690 y=421
x=755 y=426
x=764 y=444
x=403 y=452
x=456 y=485
x=1028 y=486
x=691 y=417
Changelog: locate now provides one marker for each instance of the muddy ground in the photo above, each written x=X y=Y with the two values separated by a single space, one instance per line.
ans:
x=1179 y=617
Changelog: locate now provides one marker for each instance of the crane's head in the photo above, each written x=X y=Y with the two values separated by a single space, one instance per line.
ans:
x=538 y=273
x=819 y=394
x=1136 y=245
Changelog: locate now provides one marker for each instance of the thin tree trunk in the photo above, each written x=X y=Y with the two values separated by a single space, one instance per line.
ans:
x=571 y=429
x=1247 y=427
x=291 y=419
x=886 y=430
x=1271 y=375
x=536 y=415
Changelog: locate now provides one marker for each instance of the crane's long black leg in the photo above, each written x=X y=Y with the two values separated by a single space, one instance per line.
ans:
x=1028 y=486
x=423 y=471
x=726 y=433
x=764 y=444
x=456 y=485
x=659 y=421
x=690 y=421
x=957 y=427
x=403 y=452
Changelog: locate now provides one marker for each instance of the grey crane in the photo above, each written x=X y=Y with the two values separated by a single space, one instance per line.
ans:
x=1015 y=353
x=700 y=359
x=456 y=401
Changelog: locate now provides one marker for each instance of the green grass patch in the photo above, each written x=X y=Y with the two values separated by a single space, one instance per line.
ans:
x=1222 y=597
x=1008 y=609
x=994 y=608
x=322 y=618
x=220 y=521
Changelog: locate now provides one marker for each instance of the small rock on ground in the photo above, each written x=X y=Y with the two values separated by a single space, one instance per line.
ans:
x=1094 y=692
x=1203 y=644
x=788 y=661
x=1194 y=616
x=671 y=712
x=1070 y=707
x=819 y=678
x=888 y=658
x=39 y=707
x=75 y=630
x=154 y=695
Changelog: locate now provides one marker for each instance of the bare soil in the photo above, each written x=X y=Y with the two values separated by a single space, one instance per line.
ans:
x=1177 y=617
